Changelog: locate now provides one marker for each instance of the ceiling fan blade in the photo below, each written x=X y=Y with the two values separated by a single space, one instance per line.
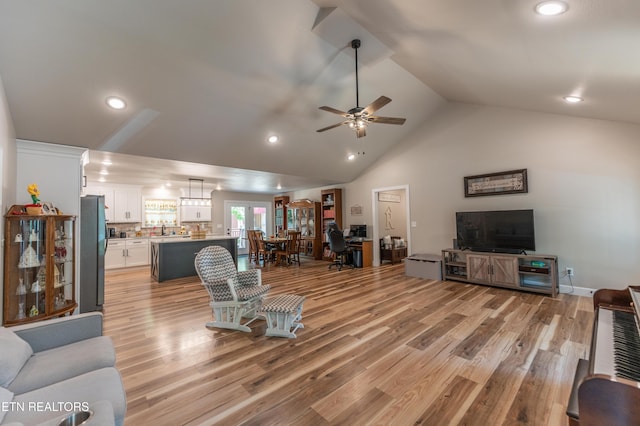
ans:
x=333 y=110
x=332 y=126
x=386 y=120
x=361 y=132
x=376 y=105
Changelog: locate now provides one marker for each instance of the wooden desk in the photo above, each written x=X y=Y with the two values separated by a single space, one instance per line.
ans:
x=366 y=247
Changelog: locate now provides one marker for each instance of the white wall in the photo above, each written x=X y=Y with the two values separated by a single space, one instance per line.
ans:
x=584 y=184
x=56 y=169
x=7 y=173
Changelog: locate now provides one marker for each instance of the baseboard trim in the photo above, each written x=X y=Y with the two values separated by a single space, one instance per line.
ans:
x=577 y=291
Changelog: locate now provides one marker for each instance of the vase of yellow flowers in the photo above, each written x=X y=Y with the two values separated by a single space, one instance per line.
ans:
x=35 y=208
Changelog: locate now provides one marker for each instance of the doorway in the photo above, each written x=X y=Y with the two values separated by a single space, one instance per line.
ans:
x=377 y=214
x=239 y=216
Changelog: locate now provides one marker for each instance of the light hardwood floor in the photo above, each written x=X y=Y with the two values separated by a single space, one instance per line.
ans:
x=377 y=348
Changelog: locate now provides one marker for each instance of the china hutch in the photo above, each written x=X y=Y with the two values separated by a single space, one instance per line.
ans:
x=304 y=216
x=39 y=266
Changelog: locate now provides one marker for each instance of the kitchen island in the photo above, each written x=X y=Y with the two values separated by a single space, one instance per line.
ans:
x=174 y=258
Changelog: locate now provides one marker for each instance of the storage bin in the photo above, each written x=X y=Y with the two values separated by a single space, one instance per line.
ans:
x=428 y=266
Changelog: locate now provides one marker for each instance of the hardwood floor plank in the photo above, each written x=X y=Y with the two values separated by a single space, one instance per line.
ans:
x=412 y=398
x=544 y=371
x=449 y=406
x=427 y=338
x=377 y=348
x=473 y=343
x=367 y=407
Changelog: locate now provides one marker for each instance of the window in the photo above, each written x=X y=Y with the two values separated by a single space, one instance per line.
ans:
x=159 y=212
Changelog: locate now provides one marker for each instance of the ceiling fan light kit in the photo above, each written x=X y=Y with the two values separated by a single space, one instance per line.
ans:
x=358 y=118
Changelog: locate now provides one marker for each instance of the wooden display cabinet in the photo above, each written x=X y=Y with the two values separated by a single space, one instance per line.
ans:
x=331 y=212
x=304 y=216
x=39 y=267
x=280 y=214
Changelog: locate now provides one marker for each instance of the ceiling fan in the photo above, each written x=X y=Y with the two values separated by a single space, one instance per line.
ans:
x=358 y=117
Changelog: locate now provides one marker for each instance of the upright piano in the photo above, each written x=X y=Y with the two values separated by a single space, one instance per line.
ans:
x=606 y=388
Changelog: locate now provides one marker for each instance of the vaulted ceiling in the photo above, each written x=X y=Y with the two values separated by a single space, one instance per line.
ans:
x=208 y=82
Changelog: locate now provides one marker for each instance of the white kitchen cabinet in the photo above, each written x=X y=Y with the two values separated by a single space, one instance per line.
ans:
x=128 y=205
x=114 y=256
x=137 y=252
x=108 y=199
x=124 y=253
x=195 y=213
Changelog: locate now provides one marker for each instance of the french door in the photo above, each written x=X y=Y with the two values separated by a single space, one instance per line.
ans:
x=240 y=216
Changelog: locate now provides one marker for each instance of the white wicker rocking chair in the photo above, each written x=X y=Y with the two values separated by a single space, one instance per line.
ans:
x=233 y=294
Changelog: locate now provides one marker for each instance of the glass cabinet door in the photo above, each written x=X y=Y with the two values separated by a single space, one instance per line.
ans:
x=62 y=274
x=311 y=226
x=26 y=269
x=39 y=268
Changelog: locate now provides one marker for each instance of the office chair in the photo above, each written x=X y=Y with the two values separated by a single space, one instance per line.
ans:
x=338 y=245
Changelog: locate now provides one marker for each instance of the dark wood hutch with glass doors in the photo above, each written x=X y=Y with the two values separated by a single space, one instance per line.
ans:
x=39 y=266
x=305 y=216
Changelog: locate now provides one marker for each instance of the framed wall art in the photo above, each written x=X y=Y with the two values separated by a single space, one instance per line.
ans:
x=509 y=182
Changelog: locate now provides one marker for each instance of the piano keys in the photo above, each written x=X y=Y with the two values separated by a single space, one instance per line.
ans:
x=606 y=388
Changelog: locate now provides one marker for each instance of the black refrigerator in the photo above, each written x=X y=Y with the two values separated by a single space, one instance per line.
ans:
x=93 y=244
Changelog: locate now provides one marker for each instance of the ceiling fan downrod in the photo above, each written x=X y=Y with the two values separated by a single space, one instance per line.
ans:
x=355 y=43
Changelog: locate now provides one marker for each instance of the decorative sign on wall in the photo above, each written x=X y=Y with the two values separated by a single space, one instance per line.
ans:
x=356 y=210
x=389 y=197
x=510 y=182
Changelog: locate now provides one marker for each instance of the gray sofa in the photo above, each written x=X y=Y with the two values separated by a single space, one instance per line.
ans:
x=51 y=368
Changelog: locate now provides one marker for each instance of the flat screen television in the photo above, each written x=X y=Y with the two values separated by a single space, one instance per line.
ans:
x=502 y=231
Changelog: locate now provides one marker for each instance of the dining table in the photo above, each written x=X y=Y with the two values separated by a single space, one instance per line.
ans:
x=278 y=243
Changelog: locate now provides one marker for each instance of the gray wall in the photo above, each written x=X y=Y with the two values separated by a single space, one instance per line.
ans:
x=584 y=184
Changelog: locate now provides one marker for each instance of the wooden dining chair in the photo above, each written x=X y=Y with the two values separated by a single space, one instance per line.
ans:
x=253 y=246
x=290 y=251
x=296 y=244
x=263 y=251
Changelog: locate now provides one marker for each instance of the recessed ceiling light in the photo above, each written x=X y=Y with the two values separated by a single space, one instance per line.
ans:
x=102 y=179
x=168 y=184
x=107 y=162
x=551 y=8
x=104 y=172
x=218 y=187
x=273 y=139
x=572 y=99
x=115 y=102
x=351 y=157
x=279 y=186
